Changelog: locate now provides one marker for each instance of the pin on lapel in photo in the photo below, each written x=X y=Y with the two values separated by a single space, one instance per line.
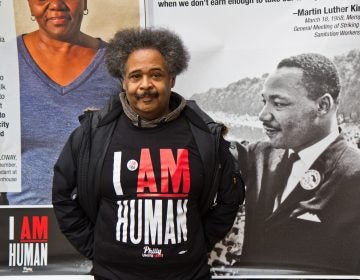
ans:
x=310 y=180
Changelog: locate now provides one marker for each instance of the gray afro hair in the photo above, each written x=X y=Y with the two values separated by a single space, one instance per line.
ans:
x=163 y=40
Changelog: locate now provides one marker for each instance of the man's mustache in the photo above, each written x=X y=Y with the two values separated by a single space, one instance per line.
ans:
x=146 y=94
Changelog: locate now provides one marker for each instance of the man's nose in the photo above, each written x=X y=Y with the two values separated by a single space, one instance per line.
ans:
x=146 y=82
x=265 y=114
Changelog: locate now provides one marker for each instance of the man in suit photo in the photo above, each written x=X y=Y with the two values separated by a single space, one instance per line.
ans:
x=303 y=183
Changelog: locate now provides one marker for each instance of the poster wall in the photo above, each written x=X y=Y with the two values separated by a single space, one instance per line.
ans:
x=235 y=45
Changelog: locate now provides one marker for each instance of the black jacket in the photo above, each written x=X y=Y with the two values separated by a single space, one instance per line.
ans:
x=76 y=182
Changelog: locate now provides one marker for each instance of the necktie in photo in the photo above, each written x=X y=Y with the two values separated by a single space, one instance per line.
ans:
x=285 y=171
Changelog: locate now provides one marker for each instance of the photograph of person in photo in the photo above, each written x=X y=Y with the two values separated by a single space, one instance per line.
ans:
x=302 y=183
x=62 y=72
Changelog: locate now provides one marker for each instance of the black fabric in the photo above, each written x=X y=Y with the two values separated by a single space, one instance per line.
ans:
x=121 y=234
x=206 y=277
x=138 y=274
x=284 y=172
x=3 y=199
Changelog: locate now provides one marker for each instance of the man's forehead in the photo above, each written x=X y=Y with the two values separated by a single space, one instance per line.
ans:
x=150 y=68
x=284 y=82
x=145 y=60
x=284 y=77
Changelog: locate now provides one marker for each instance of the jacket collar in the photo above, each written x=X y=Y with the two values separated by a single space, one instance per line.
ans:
x=114 y=109
x=177 y=104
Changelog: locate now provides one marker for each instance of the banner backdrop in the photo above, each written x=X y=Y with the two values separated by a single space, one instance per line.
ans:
x=234 y=45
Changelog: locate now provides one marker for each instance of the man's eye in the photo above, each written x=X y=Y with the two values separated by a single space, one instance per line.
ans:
x=156 y=75
x=135 y=76
x=263 y=101
x=280 y=105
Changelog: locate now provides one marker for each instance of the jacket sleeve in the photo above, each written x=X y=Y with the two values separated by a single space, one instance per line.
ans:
x=230 y=195
x=72 y=219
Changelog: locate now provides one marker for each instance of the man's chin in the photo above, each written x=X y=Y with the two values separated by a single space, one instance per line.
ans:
x=276 y=143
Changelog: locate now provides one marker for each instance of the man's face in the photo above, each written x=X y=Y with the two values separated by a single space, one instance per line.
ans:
x=289 y=117
x=147 y=83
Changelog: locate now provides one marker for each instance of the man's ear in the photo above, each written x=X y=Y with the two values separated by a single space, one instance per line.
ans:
x=173 y=80
x=325 y=103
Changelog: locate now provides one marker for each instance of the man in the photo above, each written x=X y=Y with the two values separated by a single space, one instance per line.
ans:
x=307 y=216
x=135 y=186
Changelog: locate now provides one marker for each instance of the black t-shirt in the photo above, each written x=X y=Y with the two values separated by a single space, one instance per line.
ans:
x=149 y=226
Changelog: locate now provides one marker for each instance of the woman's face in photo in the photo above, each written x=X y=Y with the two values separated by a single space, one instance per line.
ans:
x=58 y=19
